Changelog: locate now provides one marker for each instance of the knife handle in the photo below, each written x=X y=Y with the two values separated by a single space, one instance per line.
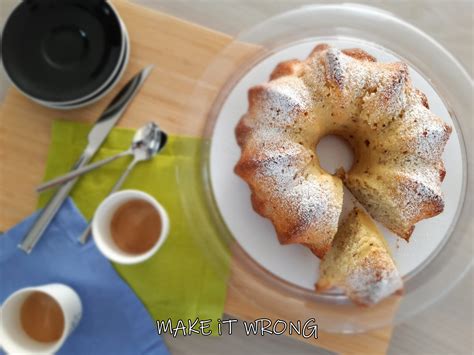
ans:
x=47 y=214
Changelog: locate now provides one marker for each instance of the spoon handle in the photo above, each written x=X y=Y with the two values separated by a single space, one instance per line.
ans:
x=75 y=173
x=85 y=235
x=125 y=174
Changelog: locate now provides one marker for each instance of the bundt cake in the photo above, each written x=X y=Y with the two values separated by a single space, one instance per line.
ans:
x=397 y=143
x=359 y=262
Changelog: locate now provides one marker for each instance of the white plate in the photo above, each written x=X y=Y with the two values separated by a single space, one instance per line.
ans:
x=295 y=263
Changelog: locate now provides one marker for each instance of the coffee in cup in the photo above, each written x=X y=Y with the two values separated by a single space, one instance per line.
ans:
x=41 y=317
x=136 y=226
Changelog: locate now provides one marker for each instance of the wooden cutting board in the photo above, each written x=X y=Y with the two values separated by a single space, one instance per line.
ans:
x=181 y=52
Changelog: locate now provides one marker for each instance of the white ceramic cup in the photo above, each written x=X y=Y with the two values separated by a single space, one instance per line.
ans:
x=102 y=220
x=14 y=340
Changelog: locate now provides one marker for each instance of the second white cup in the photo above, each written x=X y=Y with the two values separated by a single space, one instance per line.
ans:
x=15 y=340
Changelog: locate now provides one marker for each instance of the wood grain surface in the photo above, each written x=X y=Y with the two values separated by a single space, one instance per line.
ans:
x=165 y=41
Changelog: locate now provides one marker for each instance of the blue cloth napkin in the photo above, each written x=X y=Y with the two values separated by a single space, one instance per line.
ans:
x=114 y=321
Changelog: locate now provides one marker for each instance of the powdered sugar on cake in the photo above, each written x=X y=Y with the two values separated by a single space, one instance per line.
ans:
x=355 y=95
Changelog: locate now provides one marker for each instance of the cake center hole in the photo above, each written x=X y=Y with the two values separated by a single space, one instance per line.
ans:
x=334 y=152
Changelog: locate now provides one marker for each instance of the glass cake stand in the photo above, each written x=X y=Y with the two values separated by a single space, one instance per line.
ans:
x=282 y=291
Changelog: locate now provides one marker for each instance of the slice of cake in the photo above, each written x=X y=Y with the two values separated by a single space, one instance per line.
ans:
x=359 y=262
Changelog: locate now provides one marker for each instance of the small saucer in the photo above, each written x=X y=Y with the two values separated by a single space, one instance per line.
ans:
x=60 y=52
x=120 y=70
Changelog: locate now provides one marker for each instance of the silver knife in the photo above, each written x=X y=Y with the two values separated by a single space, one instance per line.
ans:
x=96 y=137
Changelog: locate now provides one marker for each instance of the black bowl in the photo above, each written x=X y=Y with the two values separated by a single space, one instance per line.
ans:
x=60 y=51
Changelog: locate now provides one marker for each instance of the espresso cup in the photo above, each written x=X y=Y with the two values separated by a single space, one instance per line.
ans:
x=101 y=227
x=15 y=340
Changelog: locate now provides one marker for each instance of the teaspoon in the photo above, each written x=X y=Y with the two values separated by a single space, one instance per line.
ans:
x=141 y=136
x=155 y=143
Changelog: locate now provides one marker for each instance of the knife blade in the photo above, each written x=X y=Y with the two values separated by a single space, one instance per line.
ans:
x=96 y=137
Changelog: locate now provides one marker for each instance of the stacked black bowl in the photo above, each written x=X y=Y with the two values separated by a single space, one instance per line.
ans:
x=65 y=54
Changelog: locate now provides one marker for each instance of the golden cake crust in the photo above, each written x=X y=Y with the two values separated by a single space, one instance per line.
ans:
x=396 y=139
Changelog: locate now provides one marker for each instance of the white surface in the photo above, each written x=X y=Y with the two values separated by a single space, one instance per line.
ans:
x=102 y=221
x=295 y=263
x=16 y=341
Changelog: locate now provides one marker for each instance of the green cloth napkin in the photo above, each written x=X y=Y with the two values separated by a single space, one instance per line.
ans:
x=181 y=280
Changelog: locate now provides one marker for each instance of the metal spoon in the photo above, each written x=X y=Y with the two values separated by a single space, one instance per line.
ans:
x=157 y=140
x=141 y=136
